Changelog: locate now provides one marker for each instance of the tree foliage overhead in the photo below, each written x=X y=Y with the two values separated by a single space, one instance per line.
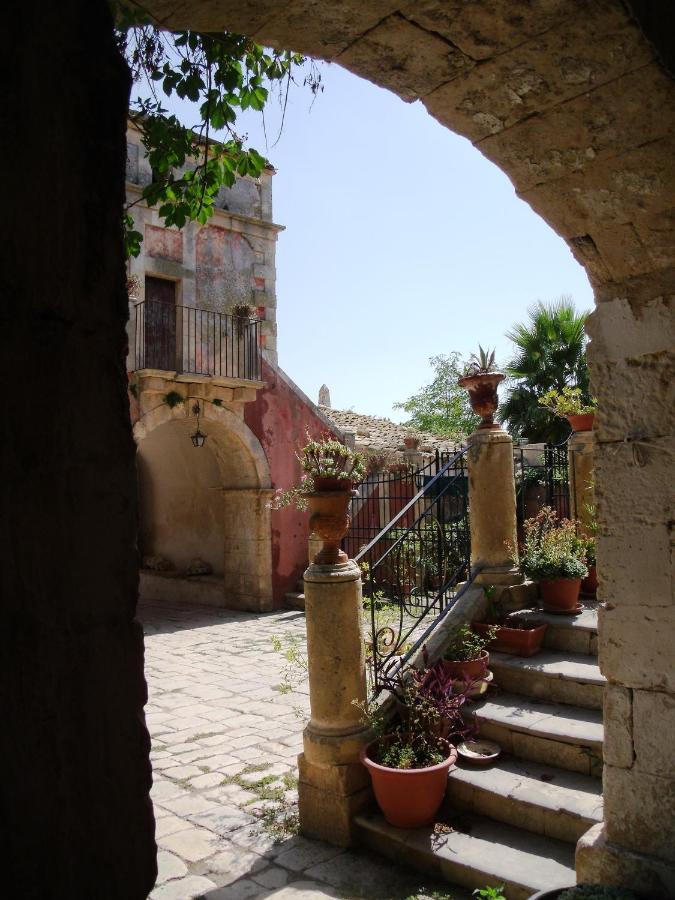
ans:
x=549 y=354
x=222 y=75
x=441 y=407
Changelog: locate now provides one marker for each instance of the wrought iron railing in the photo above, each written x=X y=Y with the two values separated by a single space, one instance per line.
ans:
x=413 y=567
x=195 y=341
x=542 y=479
x=383 y=494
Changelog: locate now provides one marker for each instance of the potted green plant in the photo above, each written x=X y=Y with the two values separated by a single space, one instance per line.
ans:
x=409 y=760
x=466 y=657
x=586 y=892
x=520 y=635
x=569 y=404
x=554 y=555
x=481 y=380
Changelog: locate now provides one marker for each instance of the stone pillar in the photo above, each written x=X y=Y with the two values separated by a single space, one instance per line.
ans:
x=580 y=467
x=333 y=785
x=492 y=506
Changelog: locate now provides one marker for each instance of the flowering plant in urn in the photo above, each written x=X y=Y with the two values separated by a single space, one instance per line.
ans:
x=481 y=379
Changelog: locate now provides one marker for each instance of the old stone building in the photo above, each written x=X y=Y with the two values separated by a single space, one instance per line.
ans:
x=202 y=352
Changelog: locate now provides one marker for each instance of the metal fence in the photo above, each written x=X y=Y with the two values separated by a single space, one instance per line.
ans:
x=413 y=566
x=187 y=339
x=542 y=479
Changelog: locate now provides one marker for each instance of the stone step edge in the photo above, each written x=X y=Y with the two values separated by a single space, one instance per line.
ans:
x=528 y=664
x=564 y=795
x=461 y=868
x=538 y=728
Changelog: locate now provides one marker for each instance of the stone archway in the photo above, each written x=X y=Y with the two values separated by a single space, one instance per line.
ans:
x=208 y=502
x=573 y=102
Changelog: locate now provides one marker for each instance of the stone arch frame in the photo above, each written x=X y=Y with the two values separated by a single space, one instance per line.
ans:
x=220 y=415
x=575 y=102
x=74 y=324
x=245 y=492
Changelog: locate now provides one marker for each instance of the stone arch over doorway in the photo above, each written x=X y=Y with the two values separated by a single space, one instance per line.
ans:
x=208 y=503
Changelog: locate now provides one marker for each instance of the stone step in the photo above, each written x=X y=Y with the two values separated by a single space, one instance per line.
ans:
x=294 y=600
x=573 y=634
x=567 y=737
x=482 y=853
x=542 y=799
x=570 y=678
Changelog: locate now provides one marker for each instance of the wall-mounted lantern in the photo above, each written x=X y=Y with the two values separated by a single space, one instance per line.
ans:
x=198 y=437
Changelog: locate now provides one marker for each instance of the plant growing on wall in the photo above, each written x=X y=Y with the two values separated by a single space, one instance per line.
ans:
x=222 y=74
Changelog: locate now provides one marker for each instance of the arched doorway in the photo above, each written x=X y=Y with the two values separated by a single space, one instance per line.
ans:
x=203 y=504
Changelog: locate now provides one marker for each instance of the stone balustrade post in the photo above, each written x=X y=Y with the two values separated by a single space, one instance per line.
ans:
x=492 y=506
x=333 y=784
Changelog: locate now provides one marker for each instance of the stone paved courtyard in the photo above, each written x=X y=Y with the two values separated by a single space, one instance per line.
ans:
x=224 y=749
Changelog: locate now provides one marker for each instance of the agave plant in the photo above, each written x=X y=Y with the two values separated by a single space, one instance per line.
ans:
x=481 y=363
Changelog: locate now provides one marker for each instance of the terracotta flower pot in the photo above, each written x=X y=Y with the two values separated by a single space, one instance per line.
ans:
x=518 y=641
x=331 y=483
x=329 y=520
x=561 y=594
x=468 y=669
x=582 y=422
x=409 y=798
x=590 y=583
x=483 y=395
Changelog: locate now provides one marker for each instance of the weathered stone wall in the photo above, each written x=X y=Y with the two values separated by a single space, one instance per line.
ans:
x=76 y=817
x=228 y=262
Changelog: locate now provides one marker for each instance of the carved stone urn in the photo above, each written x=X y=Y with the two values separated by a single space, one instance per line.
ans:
x=483 y=395
x=330 y=520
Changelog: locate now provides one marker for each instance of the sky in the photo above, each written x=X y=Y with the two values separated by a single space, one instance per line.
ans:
x=402 y=242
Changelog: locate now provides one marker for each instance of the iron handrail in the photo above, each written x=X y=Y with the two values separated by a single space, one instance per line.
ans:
x=452 y=462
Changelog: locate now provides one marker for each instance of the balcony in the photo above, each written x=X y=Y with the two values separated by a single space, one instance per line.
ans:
x=192 y=341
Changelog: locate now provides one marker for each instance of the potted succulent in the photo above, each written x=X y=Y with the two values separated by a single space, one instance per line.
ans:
x=586 y=892
x=555 y=556
x=520 y=635
x=481 y=379
x=570 y=404
x=409 y=760
x=330 y=471
x=466 y=657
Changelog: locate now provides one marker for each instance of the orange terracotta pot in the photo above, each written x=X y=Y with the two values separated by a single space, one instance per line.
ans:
x=590 y=583
x=409 y=798
x=518 y=641
x=582 y=422
x=468 y=669
x=329 y=519
x=561 y=594
x=483 y=395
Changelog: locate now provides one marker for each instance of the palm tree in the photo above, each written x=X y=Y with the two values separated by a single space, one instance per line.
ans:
x=550 y=353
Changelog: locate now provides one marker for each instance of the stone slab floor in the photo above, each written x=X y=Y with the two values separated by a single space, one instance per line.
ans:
x=224 y=749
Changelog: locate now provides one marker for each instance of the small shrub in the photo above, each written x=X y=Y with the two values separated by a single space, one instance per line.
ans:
x=466 y=645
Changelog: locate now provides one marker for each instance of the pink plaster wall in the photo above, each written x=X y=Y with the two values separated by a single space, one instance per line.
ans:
x=163 y=243
x=280 y=418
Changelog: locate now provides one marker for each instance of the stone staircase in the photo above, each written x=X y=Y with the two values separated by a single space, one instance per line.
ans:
x=516 y=822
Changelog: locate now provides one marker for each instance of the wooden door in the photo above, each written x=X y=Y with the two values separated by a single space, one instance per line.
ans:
x=160 y=324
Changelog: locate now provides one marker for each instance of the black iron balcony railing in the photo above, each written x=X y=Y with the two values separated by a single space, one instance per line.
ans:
x=189 y=340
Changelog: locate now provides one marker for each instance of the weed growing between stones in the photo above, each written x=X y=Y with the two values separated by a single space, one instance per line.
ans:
x=279 y=817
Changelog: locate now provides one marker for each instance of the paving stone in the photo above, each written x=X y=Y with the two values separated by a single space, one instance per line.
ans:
x=233 y=863
x=168 y=824
x=272 y=877
x=190 y=804
x=305 y=853
x=169 y=866
x=305 y=890
x=184 y=889
x=241 y=890
x=207 y=780
x=192 y=844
